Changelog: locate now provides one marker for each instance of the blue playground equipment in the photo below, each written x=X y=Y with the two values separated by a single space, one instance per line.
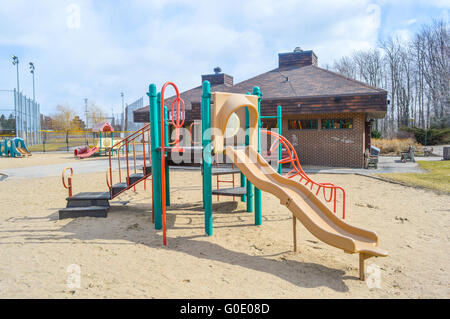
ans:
x=15 y=147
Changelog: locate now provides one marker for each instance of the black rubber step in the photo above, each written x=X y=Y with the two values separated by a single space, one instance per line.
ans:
x=117 y=188
x=135 y=178
x=237 y=191
x=87 y=199
x=224 y=170
x=76 y=212
x=147 y=170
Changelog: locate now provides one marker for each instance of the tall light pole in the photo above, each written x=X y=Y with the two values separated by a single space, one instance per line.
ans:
x=32 y=72
x=15 y=61
x=86 y=111
x=123 y=114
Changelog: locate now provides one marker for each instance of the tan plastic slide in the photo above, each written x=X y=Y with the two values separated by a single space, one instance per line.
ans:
x=306 y=207
x=23 y=152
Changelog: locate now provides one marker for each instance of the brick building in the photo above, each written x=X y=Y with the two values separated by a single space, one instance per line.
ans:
x=326 y=116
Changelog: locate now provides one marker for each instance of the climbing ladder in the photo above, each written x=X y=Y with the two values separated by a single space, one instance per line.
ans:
x=231 y=191
x=135 y=170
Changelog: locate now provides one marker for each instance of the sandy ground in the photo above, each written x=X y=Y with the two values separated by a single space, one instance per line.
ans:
x=122 y=255
x=40 y=159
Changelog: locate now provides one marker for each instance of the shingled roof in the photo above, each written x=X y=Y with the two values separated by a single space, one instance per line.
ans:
x=297 y=77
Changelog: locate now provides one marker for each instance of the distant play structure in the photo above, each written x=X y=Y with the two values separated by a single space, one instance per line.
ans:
x=103 y=142
x=228 y=114
x=14 y=147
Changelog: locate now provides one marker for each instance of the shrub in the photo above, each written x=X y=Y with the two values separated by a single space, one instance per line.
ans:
x=375 y=134
x=431 y=136
x=395 y=146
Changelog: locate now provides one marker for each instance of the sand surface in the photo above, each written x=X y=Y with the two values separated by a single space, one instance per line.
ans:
x=122 y=256
x=41 y=159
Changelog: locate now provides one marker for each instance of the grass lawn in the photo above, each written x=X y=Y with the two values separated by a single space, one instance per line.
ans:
x=437 y=176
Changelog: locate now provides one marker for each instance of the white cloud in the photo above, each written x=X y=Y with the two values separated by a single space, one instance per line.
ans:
x=125 y=46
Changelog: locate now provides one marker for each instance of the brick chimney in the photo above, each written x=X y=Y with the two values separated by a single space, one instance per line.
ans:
x=218 y=78
x=297 y=58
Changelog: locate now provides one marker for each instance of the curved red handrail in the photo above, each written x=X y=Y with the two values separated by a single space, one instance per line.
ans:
x=192 y=134
x=69 y=180
x=297 y=170
x=177 y=122
x=122 y=145
x=163 y=158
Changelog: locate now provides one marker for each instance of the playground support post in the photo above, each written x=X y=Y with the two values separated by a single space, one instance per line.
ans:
x=156 y=158
x=249 y=190
x=206 y=161
x=166 y=142
x=279 y=118
x=280 y=131
x=258 y=214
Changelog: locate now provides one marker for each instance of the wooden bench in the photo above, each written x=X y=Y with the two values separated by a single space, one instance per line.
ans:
x=409 y=155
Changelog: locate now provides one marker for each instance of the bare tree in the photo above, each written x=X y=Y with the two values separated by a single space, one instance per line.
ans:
x=416 y=75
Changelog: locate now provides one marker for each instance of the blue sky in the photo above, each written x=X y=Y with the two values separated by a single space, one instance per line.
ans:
x=99 y=48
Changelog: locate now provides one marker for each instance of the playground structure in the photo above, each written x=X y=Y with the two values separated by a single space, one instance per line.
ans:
x=15 y=147
x=300 y=197
x=103 y=143
x=301 y=200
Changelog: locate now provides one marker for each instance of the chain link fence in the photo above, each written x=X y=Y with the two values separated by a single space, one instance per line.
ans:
x=67 y=141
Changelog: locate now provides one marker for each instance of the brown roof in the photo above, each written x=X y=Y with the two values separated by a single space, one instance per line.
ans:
x=289 y=82
x=285 y=83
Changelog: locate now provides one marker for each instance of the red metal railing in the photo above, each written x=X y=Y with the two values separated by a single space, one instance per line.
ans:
x=297 y=170
x=124 y=147
x=69 y=180
x=223 y=180
x=191 y=127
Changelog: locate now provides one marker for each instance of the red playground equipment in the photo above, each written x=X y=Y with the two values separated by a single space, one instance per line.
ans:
x=178 y=123
x=291 y=157
x=177 y=117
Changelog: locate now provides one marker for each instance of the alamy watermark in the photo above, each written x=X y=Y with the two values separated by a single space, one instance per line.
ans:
x=373 y=276
x=74 y=276
x=73 y=20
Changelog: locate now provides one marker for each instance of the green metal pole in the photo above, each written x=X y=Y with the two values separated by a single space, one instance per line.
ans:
x=258 y=214
x=166 y=142
x=280 y=130
x=243 y=178
x=243 y=184
x=206 y=162
x=156 y=158
x=247 y=142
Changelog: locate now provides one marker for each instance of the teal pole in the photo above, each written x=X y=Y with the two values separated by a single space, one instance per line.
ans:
x=156 y=158
x=166 y=142
x=258 y=214
x=243 y=184
x=100 y=144
x=243 y=178
x=206 y=162
x=247 y=142
x=280 y=130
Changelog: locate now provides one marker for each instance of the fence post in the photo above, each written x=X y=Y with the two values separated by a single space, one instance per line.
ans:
x=44 y=141
x=67 y=141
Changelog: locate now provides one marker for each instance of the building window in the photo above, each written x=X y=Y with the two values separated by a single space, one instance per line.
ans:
x=330 y=124
x=302 y=124
x=269 y=124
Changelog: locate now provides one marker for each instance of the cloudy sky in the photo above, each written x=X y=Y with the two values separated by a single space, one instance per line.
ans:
x=99 y=48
